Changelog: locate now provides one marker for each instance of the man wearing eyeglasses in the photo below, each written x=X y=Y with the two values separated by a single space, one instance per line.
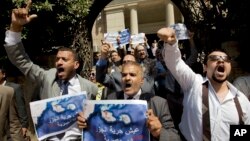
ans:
x=211 y=103
x=113 y=80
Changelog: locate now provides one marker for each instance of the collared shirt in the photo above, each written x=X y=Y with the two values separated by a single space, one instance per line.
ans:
x=13 y=38
x=73 y=88
x=222 y=114
x=135 y=97
x=4 y=82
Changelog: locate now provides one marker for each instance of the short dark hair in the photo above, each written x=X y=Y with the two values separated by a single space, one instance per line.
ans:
x=113 y=51
x=74 y=51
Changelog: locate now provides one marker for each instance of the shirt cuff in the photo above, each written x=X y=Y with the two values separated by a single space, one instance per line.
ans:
x=173 y=46
x=12 y=38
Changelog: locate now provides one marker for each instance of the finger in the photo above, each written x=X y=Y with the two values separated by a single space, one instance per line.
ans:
x=150 y=112
x=28 y=5
x=33 y=16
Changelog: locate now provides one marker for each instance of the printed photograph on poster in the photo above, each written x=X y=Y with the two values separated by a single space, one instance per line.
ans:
x=138 y=38
x=116 y=120
x=181 y=31
x=55 y=115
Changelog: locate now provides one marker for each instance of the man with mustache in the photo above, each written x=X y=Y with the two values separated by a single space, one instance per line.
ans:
x=113 y=80
x=53 y=82
x=211 y=103
x=159 y=122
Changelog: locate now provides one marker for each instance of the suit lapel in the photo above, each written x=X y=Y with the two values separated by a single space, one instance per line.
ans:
x=56 y=89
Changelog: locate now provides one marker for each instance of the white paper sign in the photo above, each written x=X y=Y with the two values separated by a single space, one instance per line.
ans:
x=181 y=31
x=138 y=38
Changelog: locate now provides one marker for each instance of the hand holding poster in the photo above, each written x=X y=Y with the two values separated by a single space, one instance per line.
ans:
x=181 y=31
x=116 y=120
x=56 y=115
x=123 y=35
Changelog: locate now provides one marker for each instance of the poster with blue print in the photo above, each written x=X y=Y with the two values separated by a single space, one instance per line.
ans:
x=124 y=37
x=116 y=120
x=111 y=37
x=55 y=115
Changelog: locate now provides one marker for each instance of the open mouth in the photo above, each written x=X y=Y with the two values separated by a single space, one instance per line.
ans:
x=59 y=70
x=221 y=69
x=128 y=85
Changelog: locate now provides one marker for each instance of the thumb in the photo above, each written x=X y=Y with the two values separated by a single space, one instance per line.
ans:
x=31 y=17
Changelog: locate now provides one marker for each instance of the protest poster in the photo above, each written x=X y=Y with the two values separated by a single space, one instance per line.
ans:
x=116 y=120
x=111 y=37
x=124 y=37
x=138 y=38
x=181 y=31
x=55 y=115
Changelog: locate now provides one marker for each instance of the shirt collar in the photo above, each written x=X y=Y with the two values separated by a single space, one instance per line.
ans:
x=4 y=83
x=72 y=81
x=135 y=97
x=232 y=89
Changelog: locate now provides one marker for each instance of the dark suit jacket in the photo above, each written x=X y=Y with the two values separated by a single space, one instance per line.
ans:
x=161 y=110
x=6 y=95
x=113 y=80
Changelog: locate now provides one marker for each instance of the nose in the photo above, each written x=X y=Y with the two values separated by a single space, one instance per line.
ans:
x=127 y=77
x=59 y=61
x=221 y=59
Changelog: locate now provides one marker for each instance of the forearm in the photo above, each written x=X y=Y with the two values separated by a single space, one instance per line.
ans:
x=179 y=69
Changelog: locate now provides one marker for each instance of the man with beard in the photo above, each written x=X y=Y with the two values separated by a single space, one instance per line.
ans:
x=53 y=82
x=159 y=122
x=211 y=104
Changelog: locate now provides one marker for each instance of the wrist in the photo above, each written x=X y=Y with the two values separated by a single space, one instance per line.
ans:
x=16 y=28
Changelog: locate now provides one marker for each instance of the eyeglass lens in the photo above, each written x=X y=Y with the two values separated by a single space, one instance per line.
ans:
x=217 y=58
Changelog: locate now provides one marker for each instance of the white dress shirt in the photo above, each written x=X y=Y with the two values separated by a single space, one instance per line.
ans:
x=222 y=115
x=13 y=38
x=135 y=97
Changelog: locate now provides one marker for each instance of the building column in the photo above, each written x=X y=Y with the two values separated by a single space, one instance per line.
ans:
x=169 y=13
x=133 y=19
x=115 y=18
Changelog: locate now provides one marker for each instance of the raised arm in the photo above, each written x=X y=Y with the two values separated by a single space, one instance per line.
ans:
x=102 y=66
x=14 y=47
x=172 y=58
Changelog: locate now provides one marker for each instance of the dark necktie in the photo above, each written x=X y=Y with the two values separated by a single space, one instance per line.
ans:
x=65 y=87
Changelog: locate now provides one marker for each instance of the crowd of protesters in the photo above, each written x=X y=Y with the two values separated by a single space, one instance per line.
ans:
x=161 y=73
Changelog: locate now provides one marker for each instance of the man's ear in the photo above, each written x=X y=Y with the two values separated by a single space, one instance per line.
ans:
x=142 y=80
x=204 y=68
x=77 y=64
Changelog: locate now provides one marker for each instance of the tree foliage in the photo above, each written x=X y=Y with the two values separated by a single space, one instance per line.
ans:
x=59 y=23
x=215 y=21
